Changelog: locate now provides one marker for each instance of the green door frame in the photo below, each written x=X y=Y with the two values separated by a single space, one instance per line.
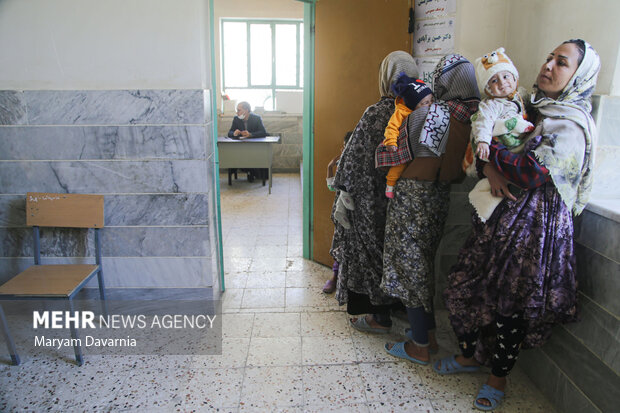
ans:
x=308 y=128
x=216 y=175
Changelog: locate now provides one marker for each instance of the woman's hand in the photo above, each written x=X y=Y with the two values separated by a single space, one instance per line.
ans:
x=499 y=184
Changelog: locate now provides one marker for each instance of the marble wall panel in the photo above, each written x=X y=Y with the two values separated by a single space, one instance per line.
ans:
x=599 y=331
x=150 y=152
x=114 y=107
x=460 y=209
x=454 y=237
x=116 y=242
x=286 y=164
x=599 y=234
x=119 y=272
x=594 y=378
x=291 y=151
x=156 y=209
x=103 y=177
x=598 y=278
x=207 y=107
x=12 y=108
x=12 y=210
x=102 y=142
x=466 y=185
x=127 y=210
x=554 y=384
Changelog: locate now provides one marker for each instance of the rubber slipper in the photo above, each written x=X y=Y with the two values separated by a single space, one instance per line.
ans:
x=409 y=335
x=398 y=350
x=493 y=395
x=362 y=325
x=449 y=365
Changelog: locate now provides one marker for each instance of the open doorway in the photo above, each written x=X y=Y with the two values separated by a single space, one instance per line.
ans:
x=259 y=56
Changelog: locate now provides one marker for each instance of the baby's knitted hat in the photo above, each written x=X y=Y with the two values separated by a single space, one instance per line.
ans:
x=490 y=64
x=412 y=90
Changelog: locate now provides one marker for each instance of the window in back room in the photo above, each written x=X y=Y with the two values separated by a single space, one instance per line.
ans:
x=262 y=60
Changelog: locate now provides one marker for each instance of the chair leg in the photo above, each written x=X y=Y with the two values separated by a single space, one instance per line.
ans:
x=230 y=172
x=9 y=340
x=104 y=304
x=74 y=335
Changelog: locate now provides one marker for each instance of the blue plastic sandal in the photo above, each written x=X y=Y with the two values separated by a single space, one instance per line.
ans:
x=449 y=365
x=493 y=395
x=398 y=350
x=362 y=325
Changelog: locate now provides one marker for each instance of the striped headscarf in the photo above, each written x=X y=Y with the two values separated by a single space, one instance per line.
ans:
x=391 y=67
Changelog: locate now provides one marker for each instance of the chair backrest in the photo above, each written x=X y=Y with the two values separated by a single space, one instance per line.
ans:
x=64 y=210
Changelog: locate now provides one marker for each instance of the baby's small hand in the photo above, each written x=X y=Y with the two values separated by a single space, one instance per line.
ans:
x=482 y=151
x=391 y=148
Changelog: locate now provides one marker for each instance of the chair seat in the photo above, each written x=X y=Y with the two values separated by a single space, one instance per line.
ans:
x=49 y=280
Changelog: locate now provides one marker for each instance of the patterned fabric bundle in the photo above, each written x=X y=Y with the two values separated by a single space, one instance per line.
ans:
x=563 y=155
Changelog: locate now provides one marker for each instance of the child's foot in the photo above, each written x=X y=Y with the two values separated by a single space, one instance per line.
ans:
x=389 y=191
x=330 y=286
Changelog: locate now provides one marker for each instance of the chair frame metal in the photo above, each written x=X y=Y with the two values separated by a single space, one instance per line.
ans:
x=37 y=262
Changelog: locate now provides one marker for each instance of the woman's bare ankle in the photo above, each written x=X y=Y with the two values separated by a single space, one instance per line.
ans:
x=498 y=383
x=413 y=350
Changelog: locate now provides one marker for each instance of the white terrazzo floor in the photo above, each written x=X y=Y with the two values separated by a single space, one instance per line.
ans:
x=286 y=346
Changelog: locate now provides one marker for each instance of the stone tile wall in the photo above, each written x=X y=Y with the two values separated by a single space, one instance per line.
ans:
x=149 y=152
x=286 y=156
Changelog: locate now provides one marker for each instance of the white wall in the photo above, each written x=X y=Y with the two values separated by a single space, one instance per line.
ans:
x=480 y=26
x=266 y=9
x=530 y=29
x=112 y=44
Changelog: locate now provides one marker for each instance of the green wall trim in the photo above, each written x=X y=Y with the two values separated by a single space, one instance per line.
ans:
x=216 y=173
x=308 y=129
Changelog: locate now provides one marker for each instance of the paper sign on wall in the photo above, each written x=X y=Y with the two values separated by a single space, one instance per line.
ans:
x=434 y=8
x=433 y=37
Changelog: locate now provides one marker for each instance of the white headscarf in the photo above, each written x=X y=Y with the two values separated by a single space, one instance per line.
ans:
x=570 y=169
x=392 y=66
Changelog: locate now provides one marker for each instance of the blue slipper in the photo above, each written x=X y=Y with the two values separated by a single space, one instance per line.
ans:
x=398 y=350
x=409 y=335
x=449 y=365
x=362 y=325
x=493 y=395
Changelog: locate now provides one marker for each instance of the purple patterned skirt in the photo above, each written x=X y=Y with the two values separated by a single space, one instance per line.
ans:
x=521 y=260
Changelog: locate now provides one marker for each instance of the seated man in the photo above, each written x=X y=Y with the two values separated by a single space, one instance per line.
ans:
x=249 y=125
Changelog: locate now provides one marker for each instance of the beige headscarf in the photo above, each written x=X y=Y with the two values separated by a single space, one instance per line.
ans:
x=393 y=65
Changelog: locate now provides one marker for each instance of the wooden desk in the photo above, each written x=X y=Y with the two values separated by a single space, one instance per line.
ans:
x=247 y=153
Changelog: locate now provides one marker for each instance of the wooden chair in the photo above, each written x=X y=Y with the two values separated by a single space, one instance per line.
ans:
x=56 y=282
